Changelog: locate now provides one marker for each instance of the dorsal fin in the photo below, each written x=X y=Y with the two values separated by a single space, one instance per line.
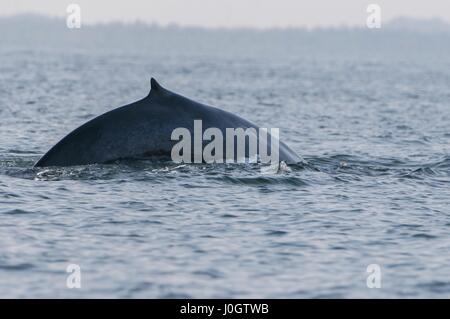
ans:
x=154 y=85
x=156 y=88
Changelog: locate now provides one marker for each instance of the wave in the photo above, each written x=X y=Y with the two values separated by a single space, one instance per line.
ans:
x=341 y=167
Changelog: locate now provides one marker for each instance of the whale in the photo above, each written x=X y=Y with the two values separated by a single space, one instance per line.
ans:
x=144 y=129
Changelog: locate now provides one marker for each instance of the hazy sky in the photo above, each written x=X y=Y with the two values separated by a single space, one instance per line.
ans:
x=234 y=13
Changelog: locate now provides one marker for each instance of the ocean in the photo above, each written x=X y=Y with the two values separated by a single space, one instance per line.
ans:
x=373 y=128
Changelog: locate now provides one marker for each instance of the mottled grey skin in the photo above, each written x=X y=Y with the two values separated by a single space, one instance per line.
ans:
x=142 y=128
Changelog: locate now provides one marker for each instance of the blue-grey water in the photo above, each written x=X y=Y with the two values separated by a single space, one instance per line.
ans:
x=374 y=131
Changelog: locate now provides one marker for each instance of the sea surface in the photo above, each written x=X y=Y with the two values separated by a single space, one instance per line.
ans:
x=375 y=133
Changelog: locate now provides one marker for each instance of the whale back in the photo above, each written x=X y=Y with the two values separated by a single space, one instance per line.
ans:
x=142 y=128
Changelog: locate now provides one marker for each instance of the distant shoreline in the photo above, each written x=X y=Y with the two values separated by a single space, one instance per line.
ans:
x=397 y=24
